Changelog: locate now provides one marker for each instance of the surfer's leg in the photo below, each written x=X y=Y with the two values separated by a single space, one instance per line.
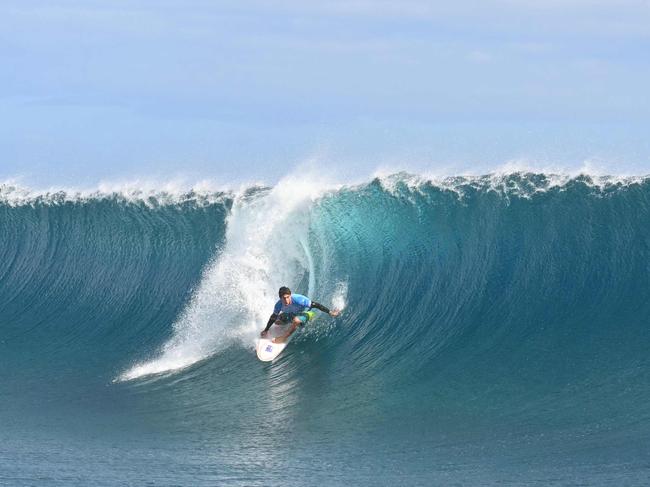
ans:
x=294 y=325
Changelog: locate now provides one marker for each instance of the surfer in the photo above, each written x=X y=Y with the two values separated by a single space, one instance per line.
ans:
x=291 y=308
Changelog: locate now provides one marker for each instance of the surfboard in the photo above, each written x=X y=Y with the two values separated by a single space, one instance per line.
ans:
x=267 y=350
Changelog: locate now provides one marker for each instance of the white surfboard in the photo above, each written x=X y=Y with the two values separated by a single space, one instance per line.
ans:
x=266 y=349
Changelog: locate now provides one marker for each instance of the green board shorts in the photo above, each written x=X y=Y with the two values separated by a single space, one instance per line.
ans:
x=304 y=317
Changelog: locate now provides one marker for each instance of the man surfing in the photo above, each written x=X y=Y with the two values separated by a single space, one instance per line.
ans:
x=291 y=309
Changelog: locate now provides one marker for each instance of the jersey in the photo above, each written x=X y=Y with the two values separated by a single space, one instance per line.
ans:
x=299 y=303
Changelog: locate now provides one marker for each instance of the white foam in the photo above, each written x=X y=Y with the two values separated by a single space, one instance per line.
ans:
x=263 y=251
x=339 y=300
x=156 y=192
x=149 y=192
x=501 y=179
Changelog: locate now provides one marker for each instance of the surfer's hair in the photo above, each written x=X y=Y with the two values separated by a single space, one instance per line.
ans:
x=284 y=290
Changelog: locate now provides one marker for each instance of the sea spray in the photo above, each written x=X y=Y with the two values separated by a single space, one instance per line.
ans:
x=266 y=246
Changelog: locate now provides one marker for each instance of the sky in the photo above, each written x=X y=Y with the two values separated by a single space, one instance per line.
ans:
x=243 y=91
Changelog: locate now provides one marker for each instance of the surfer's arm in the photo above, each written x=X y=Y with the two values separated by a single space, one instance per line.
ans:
x=271 y=321
x=324 y=309
x=319 y=306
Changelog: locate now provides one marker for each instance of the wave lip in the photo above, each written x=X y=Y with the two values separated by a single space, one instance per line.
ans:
x=14 y=194
x=521 y=184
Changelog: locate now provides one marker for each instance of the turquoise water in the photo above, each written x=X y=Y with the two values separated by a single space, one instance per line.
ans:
x=495 y=331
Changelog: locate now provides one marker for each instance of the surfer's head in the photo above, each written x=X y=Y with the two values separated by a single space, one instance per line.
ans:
x=285 y=294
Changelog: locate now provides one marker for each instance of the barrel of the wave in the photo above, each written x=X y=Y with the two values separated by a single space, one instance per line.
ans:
x=268 y=351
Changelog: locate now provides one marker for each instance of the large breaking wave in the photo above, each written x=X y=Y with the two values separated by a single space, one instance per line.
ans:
x=505 y=294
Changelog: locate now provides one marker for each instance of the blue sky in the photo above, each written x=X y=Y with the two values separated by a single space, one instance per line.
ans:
x=249 y=90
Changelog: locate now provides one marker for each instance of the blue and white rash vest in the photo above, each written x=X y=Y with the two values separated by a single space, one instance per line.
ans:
x=298 y=304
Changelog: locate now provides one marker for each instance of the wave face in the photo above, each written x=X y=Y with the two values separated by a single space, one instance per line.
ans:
x=88 y=279
x=495 y=329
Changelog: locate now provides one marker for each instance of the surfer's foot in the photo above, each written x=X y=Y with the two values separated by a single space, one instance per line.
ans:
x=280 y=339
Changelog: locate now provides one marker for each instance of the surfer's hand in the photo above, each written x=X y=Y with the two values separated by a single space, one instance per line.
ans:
x=264 y=333
x=335 y=313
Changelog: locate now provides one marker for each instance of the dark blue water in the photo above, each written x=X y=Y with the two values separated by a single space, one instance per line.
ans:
x=495 y=331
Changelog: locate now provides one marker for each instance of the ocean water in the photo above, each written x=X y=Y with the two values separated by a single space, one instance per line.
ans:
x=495 y=331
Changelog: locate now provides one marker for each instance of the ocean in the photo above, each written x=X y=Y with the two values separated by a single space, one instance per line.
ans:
x=494 y=331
